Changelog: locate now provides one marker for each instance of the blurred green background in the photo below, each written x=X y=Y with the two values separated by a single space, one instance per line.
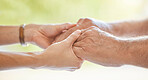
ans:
x=16 y=12
x=59 y=11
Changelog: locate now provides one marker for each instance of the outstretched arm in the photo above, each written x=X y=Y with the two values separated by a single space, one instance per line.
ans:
x=9 y=34
x=136 y=50
x=42 y=35
x=18 y=60
x=106 y=49
x=129 y=28
x=120 y=29
x=57 y=56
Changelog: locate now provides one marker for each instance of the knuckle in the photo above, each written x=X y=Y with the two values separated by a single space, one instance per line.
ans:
x=82 y=18
x=74 y=35
x=87 y=19
x=88 y=33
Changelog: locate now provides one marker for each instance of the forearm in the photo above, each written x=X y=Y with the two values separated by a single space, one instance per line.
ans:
x=135 y=51
x=129 y=28
x=18 y=60
x=10 y=35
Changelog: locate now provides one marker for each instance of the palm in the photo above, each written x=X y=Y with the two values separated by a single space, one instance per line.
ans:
x=45 y=34
x=41 y=40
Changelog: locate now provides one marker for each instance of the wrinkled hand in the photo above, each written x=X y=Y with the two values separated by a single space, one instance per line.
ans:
x=44 y=35
x=99 y=47
x=60 y=55
x=83 y=23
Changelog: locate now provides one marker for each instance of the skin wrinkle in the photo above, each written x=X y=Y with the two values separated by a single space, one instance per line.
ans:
x=41 y=30
x=80 y=43
x=35 y=37
x=81 y=38
x=46 y=59
x=94 y=43
x=112 y=47
x=81 y=25
x=106 y=44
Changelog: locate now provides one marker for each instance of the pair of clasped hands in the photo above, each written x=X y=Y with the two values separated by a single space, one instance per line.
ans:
x=66 y=45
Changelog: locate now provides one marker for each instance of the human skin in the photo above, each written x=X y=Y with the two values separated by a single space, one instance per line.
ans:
x=41 y=35
x=81 y=24
x=109 y=44
x=119 y=28
x=106 y=49
x=131 y=28
x=57 y=56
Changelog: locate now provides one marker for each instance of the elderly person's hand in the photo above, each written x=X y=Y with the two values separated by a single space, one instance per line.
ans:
x=83 y=23
x=100 y=47
x=44 y=35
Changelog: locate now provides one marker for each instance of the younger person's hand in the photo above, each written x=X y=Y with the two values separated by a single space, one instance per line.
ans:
x=60 y=55
x=44 y=35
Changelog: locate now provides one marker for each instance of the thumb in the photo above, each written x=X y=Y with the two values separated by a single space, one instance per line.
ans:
x=65 y=26
x=73 y=37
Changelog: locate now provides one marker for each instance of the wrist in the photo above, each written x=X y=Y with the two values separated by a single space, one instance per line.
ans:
x=137 y=51
x=40 y=62
x=44 y=60
x=125 y=51
x=29 y=31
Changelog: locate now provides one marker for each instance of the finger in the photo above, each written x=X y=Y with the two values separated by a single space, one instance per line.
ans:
x=69 y=25
x=78 y=52
x=65 y=26
x=80 y=21
x=84 y=30
x=73 y=37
